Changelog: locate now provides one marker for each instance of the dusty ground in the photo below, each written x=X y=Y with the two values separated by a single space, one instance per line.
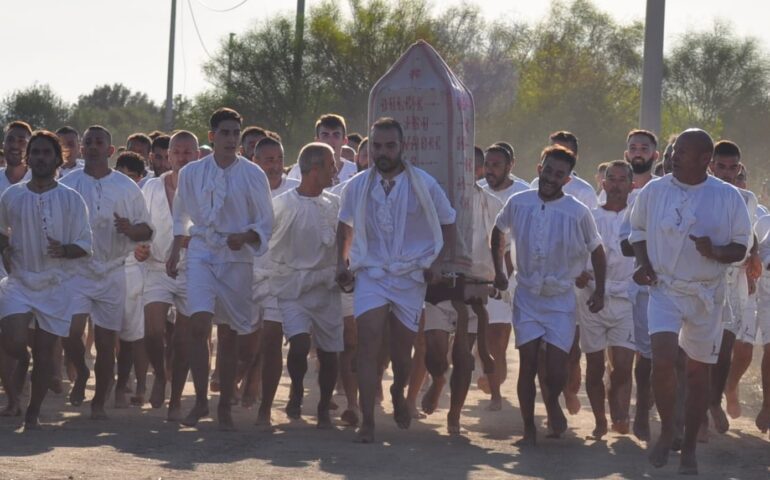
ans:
x=138 y=444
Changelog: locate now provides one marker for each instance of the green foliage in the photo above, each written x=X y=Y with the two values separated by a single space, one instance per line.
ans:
x=37 y=105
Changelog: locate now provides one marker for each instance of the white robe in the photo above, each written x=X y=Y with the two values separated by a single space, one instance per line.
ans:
x=212 y=203
x=303 y=247
x=114 y=193
x=5 y=183
x=578 y=188
x=154 y=192
x=346 y=172
x=620 y=268
x=517 y=186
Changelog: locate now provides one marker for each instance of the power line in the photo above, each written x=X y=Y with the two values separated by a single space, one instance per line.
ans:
x=230 y=9
x=195 y=24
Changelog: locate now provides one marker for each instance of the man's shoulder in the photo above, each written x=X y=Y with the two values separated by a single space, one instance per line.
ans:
x=524 y=197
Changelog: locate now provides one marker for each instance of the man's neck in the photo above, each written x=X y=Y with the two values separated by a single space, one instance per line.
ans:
x=615 y=205
x=551 y=199
x=71 y=163
x=14 y=173
x=276 y=183
x=224 y=161
x=641 y=179
x=691 y=179
x=40 y=185
x=391 y=174
x=309 y=188
x=338 y=162
x=97 y=168
x=504 y=185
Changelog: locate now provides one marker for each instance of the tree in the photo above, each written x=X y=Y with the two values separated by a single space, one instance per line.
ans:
x=38 y=105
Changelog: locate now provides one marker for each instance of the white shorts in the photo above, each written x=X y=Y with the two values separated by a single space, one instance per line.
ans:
x=746 y=327
x=762 y=336
x=317 y=312
x=737 y=295
x=347 y=304
x=160 y=288
x=265 y=306
x=549 y=318
x=443 y=316
x=613 y=326
x=403 y=295
x=50 y=306
x=499 y=311
x=103 y=297
x=133 y=320
x=222 y=289
x=700 y=331
x=641 y=300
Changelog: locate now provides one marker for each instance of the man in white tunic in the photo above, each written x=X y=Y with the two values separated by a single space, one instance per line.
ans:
x=683 y=249
x=70 y=140
x=223 y=203
x=393 y=222
x=119 y=220
x=612 y=329
x=498 y=163
x=553 y=235
x=762 y=332
x=16 y=136
x=43 y=228
x=330 y=129
x=268 y=366
x=161 y=292
x=302 y=250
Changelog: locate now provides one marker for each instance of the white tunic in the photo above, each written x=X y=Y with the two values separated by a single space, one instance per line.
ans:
x=114 y=193
x=303 y=247
x=485 y=207
x=154 y=192
x=212 y=203
x=397 y=230
x=346 y=172
x=620 y=269
x=517 y=186
x=79 y=164
x=5 y=183
x=578 y=188
x=552 y=239
x=667 y=212
x=29 y=219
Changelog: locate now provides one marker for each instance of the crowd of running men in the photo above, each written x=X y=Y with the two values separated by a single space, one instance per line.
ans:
x=661 y=277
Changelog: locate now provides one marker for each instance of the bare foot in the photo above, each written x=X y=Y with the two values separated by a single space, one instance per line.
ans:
x=430 y=399
x=621 y=427
x=264 y=421
x=599 y=431
x=214 y=383
x=400 y=413
x=483 y=384
x=294 y=409
x=365 y=434
x=174 y=414
x=138 y=399
x=763 y=419
x=721 y=424
x=688 y=465
x=453 y=424
x=733 y=406
x=416 y=414
x=495 y=405
x=225 y=418
x=120 y=398
x=557 y=424
x=248 y=401
x=658 y=455
x=324 y=421
x=703 y=433
x=642 y=428
x=197 y=412
x=528 y=440
x=31 y=424
x=350 y=417
x=98 y=412
x=333 y=405
x=158 y=395
x=56 y=386
x=573 y=403
x=379 y=396
x=11 y=411
x=78 y=392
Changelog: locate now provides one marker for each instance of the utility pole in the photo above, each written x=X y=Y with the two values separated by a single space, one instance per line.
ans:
x=168 y=118
x=230 y=46
x=299 y=33
x=652 y=76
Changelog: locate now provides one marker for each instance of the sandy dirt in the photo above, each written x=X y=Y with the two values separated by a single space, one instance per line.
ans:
x=137 y=443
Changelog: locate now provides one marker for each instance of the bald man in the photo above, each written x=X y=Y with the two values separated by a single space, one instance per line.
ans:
x=683 y=250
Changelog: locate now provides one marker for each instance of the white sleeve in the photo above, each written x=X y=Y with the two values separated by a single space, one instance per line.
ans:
x=638 y=217
x=83 y=237
x=182 y=221
x=347 y=197
x=503 y=220
x=261 y=221
x=446 y=214
x=741 y=222
x=589 y=231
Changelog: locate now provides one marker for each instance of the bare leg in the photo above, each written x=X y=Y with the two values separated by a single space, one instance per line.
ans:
x=155 y=320
x=58 y=357
x=462 y=368
x=296 y=364
x=43 y=349
x=248 y=350
x=227 y=359
x=200 y=363
x=556 y=377
x=125 y=361
x=498 y=338
x=371 y=326
x=401 y=343
x=665 y=350
x=436 y=350
x=76 y=351
x=347 y=375
x=180 y=366
x=141 y=364
x=596 y=392
x=763 y=418
x=105 y=368
x=572 y=386
x=525 y=387
x=696 y=406
x=621 y=364
x=419 y=371
x=642 y=372
x=742 y=353
x=272 y=366
x=15 y=338
x=327 y=377
x=719 y=373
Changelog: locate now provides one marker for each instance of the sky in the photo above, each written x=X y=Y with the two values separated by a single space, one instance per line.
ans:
x=76 y=45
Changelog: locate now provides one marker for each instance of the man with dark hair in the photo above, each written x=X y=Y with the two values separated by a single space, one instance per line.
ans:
x=17 y=135
x=612 y=329
x=70 y=140
x=249 y=139
x=140 y=143
x=362 y=156
x=393 y=222
x=119 y=220
x=330 y=129
x=546 y=269
x=36 y=292
x=354 y=140
x=478 y=163
x=500 y=182
x=131 y=165
x=159 y=155
x=223 y=203
x=683 y=248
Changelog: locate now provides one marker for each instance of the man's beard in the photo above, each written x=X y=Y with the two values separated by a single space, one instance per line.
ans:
x=639 y=168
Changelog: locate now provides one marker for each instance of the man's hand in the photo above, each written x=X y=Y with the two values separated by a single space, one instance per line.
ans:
x=704 y=246
x=752 y=285
x=122 y=225
x=432 y=275
x=142 y=252
x=582 y=280
x=596 y=302
x=645 y=275
x=172 y=263
x=501 y=281
x=345 y=278
x=55 y=249
x=236 y=241
x=754 y=267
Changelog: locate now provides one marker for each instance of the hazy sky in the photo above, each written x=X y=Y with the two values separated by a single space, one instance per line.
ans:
x=75 y=45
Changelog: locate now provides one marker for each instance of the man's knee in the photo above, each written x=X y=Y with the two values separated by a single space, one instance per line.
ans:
x=299 y=345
